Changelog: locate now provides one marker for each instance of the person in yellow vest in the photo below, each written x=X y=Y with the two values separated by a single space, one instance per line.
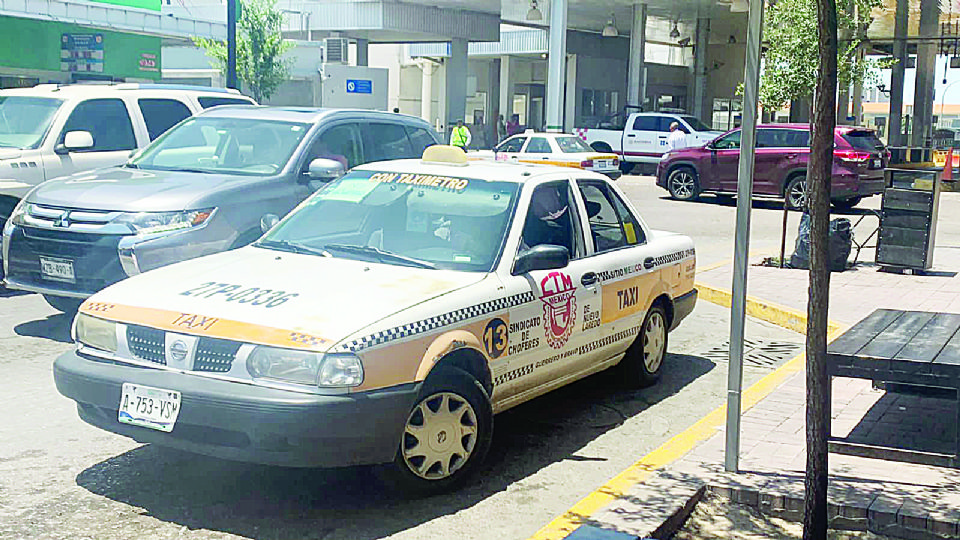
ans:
x=460 y=136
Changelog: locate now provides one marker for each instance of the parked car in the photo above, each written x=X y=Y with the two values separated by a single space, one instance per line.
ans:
x=200 y=188
x=644 y=137
x=559 y=149
x=782 y=154
x=53 y=130
x=386 y=320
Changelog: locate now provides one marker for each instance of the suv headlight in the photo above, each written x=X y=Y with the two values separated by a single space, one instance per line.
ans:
x=19 y=211
x=144 y=223
x=305 y=367
x=96 y=333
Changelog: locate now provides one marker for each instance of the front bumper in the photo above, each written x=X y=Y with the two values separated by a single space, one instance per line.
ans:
x=682 y=306
x=245 y=422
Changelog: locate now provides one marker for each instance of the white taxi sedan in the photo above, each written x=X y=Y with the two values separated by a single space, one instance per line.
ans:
x=557 y=149
x=386 y=320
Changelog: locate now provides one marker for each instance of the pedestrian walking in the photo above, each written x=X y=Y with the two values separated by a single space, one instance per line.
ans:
x=513 y=126
x=677 y=138
x=501 y=129
x=460 y=136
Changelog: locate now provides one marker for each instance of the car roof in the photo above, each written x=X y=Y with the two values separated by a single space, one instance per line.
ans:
x=85 y=90
x=480 y=169
x=303 y=114
x=806 y=127
x=529 y=133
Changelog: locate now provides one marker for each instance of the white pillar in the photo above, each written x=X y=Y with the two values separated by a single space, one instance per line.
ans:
x=895 y=124
x=362 y=51
x=638 y=41
x=456 y=83
x=700 y=68
x=556 y=64
x=426 y=90
x=506 y=87
x=570 y=105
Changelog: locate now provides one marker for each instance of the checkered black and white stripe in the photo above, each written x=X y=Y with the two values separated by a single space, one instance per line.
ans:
x=439 y=321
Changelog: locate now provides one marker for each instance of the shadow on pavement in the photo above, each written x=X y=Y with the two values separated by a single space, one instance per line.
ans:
x=270 y=502
x=55 y=327
x=920 y=419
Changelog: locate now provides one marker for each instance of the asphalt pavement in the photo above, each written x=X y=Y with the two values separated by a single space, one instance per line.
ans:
x=60 y=478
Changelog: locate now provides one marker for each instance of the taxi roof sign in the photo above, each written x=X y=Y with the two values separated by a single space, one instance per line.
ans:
x=446 y=154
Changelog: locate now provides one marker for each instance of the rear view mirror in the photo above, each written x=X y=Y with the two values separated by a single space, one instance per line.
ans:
x=75 y=140
x=268 y=221
x=542 y=257
x=325 y=169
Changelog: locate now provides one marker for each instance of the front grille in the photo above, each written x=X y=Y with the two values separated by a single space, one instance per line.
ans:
x=94 y=257
x=147 y=343
x=215 y=355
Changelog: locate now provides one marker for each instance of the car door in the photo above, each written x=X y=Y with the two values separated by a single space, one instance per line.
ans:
x=108 y=121
x=777 y=152
x=622 y=258
x=641 y=138
x=536 y=150
x=340 y=142
x=546 y=333
x=721 y=170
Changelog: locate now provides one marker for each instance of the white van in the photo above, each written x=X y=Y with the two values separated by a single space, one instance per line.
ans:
x=52 y=130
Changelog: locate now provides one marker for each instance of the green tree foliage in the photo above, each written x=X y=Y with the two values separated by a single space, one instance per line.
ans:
x=790 y=59
x=260 y=47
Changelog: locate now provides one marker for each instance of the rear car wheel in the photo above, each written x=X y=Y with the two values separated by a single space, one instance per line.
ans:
x=683 y=185
x=795 y=195
x=643 y=362
x=626 y=167
x=846 y=204
x=63 y=303
x=446 y=436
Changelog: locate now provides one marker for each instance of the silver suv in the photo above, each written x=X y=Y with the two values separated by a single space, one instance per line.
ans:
x=200 y=188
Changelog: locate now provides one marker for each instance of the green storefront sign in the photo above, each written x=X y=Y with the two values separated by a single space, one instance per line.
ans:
x=142 y=4
x=62 y=47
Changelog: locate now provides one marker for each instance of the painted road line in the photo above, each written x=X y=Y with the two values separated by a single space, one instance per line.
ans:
x=789 y=318
x=682 y=443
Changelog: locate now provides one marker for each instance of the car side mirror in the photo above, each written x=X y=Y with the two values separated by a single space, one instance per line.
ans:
x=542 y=257
x=75 y=140
x=268 y=221
x=325 y=170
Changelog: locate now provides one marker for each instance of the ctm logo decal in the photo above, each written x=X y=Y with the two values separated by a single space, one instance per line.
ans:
x=559 y=308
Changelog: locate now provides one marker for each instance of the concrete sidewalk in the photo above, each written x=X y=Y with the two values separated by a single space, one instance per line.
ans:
x=902 y=500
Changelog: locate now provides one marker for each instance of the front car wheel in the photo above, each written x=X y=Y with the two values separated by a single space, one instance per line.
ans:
x=683 y=185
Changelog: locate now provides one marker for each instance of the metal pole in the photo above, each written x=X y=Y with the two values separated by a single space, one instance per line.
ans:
x=738 y=311
x=232 y=43
x=783 y=234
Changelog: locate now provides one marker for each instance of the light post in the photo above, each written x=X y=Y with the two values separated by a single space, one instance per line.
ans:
x=943 y=97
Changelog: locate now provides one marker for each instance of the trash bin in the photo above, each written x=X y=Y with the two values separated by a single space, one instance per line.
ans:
x=840 y=240
x=908 y=218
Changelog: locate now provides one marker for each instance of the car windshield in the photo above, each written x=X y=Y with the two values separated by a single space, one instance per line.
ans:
x=24 y=120
x=402 y=218
x=214 y=144
x=572 y=145
x=863 y=140
x=696 y=124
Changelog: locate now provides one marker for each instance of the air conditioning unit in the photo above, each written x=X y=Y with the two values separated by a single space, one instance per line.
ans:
x=336 y=50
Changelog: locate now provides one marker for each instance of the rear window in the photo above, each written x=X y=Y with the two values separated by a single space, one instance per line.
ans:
x=863 y=140
x=213 y=101
x=572 y=145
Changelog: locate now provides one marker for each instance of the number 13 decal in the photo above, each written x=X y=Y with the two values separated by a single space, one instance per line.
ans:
x=495 y=337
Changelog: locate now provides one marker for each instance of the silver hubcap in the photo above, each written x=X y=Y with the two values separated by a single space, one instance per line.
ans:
x=682 y=184
x=798 y=194
x=654 y=337
x=440 y=435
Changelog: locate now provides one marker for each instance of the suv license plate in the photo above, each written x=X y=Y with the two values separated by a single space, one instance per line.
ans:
x=57 y=269
x=148 y=407
x=876 y=164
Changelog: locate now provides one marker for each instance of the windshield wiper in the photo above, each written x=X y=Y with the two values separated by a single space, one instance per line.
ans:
x=284 y=245
x=381 y=255
x=131 y=166
x=179 y=169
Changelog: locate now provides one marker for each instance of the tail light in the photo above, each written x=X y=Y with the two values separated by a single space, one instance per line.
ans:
x=616 y=162
x=854 y=156
x=586 y=163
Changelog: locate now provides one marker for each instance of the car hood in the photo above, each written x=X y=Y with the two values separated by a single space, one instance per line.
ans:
x=10 y=153
x=268 y=297
x=130 y=190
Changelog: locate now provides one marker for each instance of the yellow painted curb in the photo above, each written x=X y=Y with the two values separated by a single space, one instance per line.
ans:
x=702 y=430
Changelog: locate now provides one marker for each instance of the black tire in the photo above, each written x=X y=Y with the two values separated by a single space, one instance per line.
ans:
x=639 y=368
x=846 y=204
x=452 y=387
x=683 y=184
x=63 y=304
x=626 y=167
x=795 y=193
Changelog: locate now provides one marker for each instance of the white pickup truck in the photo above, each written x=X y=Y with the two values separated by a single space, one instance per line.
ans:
x=643 y=139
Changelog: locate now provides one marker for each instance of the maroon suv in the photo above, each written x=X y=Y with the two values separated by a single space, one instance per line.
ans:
x=783 y=151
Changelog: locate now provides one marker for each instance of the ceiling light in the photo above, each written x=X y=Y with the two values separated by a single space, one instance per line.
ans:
x=610 y=30
x=534 y=13
x=675 y=33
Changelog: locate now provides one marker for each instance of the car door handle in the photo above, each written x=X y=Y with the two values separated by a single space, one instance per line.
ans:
x=589 y=279
x=631 y=135
x=791 y=156
x=649 y=263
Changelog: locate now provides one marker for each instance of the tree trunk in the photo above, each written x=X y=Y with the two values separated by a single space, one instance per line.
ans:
x=818 y=201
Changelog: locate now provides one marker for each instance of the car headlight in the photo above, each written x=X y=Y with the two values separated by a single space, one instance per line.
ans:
x=19 y=211
x=157 y=222
x=304 y=367
x=96 y=333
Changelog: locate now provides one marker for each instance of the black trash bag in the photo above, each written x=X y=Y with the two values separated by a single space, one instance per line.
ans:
x=840 y=241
